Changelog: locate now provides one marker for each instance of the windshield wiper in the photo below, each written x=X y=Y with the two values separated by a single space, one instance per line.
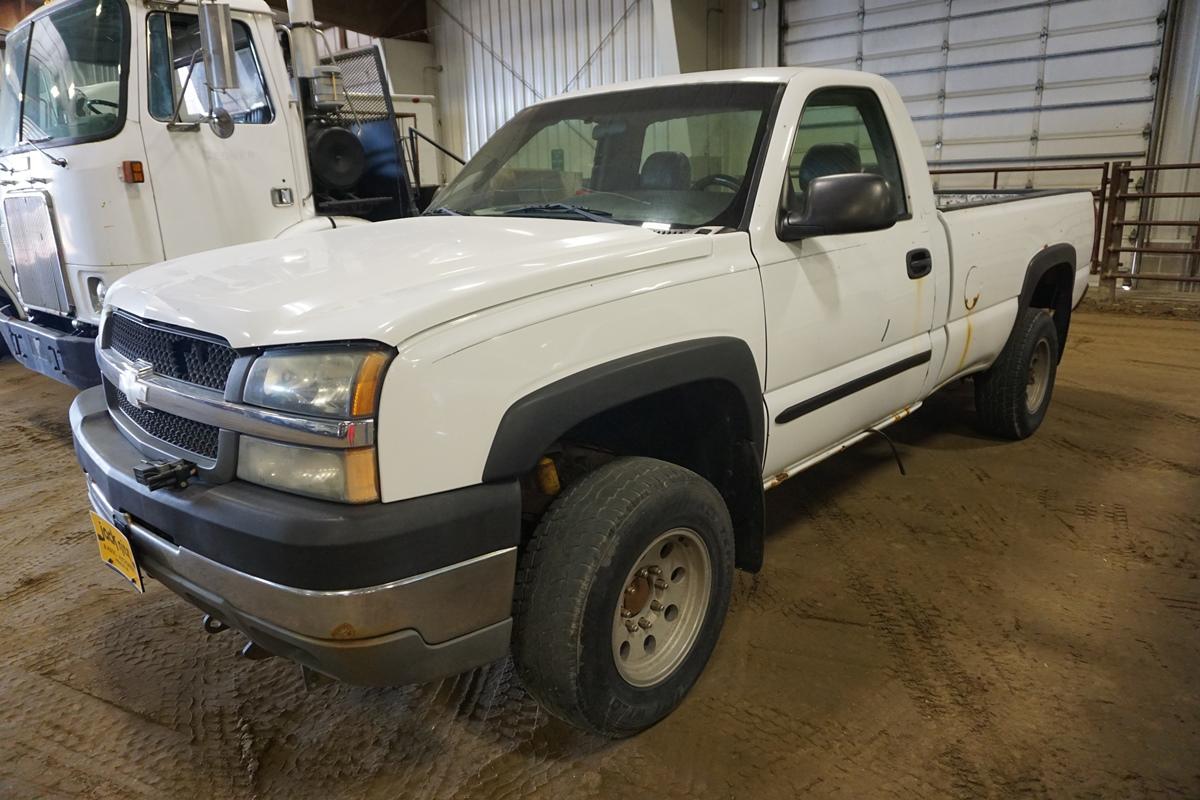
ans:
x=441 y=211
x=55 y=160
x=592 y=214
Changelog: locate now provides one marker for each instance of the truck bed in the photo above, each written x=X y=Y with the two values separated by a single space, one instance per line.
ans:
x=954 y=199
x=986 y=237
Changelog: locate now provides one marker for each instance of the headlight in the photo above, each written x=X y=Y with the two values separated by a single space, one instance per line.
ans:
x=344 y=476
x=323 y=382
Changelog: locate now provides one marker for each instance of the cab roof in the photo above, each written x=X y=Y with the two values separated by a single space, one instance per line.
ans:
x=751 y=75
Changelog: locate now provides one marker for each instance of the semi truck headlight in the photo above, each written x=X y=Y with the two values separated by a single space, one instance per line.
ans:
x=344 y=476
x=321 y=381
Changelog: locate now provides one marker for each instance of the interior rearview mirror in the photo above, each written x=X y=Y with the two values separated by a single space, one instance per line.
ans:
x=850 y=203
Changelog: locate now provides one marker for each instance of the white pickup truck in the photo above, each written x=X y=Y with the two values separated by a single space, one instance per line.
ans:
x=542 y=417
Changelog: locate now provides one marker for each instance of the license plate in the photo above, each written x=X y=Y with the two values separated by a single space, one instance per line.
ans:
x=116 y=551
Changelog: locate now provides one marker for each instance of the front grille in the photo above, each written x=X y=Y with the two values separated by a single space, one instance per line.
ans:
x=193 y=359
x=37 y=261
x=186 y=434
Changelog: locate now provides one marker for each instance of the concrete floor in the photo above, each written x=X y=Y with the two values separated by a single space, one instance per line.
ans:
x=1009 y=620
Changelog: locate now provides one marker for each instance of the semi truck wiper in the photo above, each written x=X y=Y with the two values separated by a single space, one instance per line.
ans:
x=592 y=214
x=442 y=211
x=55 y=160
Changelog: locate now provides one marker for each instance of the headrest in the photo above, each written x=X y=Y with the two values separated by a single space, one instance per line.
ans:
x=666 y=169
x=828 y=159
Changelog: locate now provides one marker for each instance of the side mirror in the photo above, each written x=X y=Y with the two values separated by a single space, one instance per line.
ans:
x=220 y=122
x=216 y=39
x=220 y=61
x=851 y=203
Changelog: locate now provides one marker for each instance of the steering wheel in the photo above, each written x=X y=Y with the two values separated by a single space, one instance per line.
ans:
x=92 y=103
x=718 y=179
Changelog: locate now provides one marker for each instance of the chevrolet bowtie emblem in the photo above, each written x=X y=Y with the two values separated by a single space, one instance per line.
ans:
x=132 y=382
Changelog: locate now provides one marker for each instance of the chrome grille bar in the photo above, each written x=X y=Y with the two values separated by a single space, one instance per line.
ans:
x=32 y=244
x=211 y=408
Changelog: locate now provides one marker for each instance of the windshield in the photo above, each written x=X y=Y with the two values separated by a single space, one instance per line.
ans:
x=62 y=77
x=667 y=157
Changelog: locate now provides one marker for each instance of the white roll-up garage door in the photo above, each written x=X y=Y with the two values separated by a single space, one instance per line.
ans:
x=999 y=81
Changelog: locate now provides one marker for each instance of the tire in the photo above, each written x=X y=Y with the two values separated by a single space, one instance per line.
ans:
x=4 y=301
x=1011 y=398
x=583 y=570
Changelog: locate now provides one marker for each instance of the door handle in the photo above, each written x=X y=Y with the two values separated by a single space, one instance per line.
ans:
x=920 y=263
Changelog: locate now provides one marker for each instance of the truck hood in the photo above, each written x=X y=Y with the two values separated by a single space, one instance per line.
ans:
x=390 y=280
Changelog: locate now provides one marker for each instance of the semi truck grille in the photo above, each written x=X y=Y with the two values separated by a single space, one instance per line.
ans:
x=194 y=437
x=191 y=358
x=36 y=258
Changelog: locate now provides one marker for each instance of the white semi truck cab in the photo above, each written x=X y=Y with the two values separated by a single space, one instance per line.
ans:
x=542 y=417
x=118 y=150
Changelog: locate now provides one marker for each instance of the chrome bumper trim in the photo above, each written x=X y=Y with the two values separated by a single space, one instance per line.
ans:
x=440 y=605
x=211 y=408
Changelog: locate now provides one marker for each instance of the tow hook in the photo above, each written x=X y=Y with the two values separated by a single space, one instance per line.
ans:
x=213 y=626
x=255 y=652
x=156 y=475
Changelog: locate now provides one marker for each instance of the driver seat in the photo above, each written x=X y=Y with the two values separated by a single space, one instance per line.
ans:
x=666 y=169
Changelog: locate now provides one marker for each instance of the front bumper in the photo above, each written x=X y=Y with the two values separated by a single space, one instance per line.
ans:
x=408 y=627
x=62 y=356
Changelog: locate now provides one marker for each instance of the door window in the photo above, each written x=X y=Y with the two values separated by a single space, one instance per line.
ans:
x=174 y=43
x=840 y=131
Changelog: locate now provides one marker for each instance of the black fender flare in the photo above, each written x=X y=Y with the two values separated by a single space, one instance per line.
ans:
x=533 y=423
x=1049 y=258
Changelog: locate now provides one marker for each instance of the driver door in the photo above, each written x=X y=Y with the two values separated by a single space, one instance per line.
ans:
x=213 y=192
x=848 y=320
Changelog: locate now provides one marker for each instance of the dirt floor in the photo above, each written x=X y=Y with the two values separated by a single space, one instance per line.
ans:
x=1008 y=620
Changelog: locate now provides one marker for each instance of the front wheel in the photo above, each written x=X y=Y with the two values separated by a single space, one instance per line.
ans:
x=1011 y=398
x=621 y=594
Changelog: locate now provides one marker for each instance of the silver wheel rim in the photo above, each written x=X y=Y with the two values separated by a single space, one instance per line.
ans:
x=662 y=607
x=1039 y=376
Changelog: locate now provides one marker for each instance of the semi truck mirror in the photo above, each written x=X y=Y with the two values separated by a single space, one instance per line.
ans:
x=855 y=202
x=220 y=122
x=216 y=39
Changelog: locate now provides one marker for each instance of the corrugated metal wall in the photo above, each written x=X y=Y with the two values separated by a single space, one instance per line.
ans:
x=999 y=80
x=752 y=32
x=498 y=56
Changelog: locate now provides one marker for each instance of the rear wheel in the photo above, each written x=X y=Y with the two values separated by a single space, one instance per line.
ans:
x=621 y=595
x=1012 y=397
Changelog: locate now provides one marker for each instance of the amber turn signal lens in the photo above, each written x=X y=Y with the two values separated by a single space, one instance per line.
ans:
x=133 y=172
x=366 y=385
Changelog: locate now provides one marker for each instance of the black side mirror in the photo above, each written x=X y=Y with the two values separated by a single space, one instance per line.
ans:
x=851 y=203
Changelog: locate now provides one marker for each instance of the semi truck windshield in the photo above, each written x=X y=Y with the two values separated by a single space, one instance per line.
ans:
x=62 y=77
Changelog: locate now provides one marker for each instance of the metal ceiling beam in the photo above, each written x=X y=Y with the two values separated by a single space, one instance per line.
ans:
x=384 y=18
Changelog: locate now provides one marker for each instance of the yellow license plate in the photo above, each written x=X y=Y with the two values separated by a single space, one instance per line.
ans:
x=116 y=551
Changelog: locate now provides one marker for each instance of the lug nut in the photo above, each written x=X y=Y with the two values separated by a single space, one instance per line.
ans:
x=644 y=623
x=655 y=570
x=630 y=626
x=655 y=605
x=660 y=584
